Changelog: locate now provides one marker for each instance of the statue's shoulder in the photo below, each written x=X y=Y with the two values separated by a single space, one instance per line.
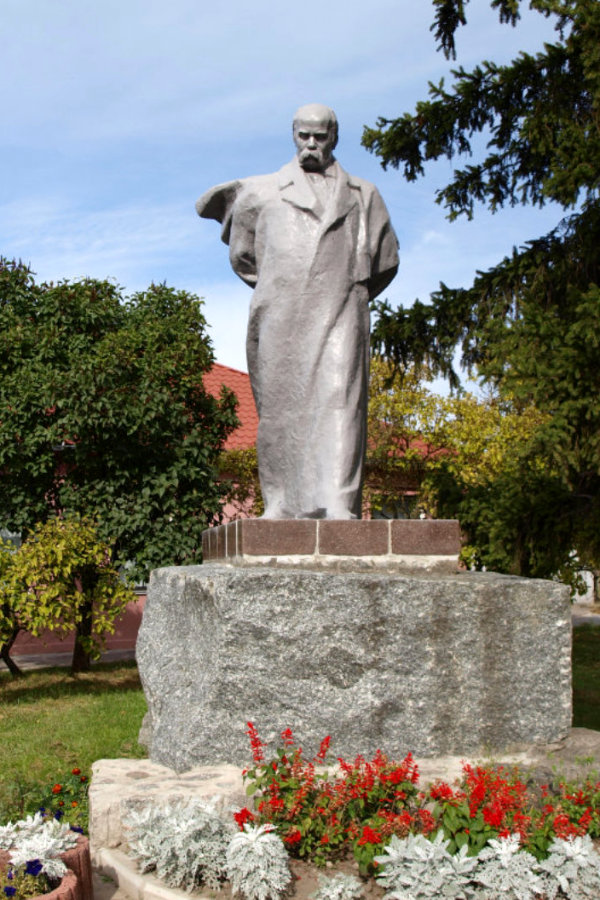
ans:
x=367 y=188
x=218 y=202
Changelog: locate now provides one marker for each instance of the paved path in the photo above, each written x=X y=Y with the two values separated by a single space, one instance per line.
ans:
x=585 y=615
x=46 y=660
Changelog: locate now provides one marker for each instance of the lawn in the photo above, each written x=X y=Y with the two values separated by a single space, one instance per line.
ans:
x=586 y=677
x=51 y=721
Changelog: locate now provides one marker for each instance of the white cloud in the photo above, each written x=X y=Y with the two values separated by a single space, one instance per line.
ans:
x=61 y=241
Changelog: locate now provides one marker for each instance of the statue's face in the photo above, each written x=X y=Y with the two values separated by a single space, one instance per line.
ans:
x=315 y=139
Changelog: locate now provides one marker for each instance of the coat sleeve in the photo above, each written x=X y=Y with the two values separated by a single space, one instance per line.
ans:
x=217 y=203
x=231 y=205
x=383 y=245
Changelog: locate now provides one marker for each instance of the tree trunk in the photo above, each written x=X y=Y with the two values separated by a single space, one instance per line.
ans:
x=81 y=658
x=596 y=585
x=5 y=649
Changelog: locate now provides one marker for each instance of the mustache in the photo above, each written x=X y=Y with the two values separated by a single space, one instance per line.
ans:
x=311 y=154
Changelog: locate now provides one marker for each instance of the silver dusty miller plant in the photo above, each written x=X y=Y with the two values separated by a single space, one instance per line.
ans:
x=257 y=864
x=507 y=871
x=572 y=867
x=416 y=868
x=41 y=839
x=183 y=842
x=339 y=887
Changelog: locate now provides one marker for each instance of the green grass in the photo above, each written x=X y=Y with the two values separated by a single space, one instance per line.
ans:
x=51 y=721
x=586 y=677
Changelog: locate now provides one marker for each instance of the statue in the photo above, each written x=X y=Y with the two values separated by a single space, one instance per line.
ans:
x=316 y=244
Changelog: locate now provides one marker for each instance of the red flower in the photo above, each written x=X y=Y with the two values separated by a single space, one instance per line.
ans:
x=324 y=748
x=493 y=816
x=255 y=743
x=369 y=836
x=427 y=821
x=75 y=771
x=287 y=737
x=441 y=791
x=243 y=816
x=325 y=839
x=83 y=779
x=293 y=836
x=57 y=789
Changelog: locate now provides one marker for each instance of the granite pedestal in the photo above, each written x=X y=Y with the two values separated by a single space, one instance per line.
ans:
x=430 y=662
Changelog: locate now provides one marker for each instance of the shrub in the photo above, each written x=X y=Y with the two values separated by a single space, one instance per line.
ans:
x=62 y=579
x=184 y=842
x=257 y=864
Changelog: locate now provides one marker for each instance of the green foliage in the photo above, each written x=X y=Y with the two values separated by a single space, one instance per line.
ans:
x=586 y=677
x=62 y=579
x=105 y=414
x=539 y=113
x=321 y=817
x=67 y=799
x=8 y=626
x=481 y=460
x=531 y=325
x=240 y=467
x=406 y=432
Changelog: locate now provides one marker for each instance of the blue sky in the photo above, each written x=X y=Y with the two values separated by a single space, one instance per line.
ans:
x=118 y=114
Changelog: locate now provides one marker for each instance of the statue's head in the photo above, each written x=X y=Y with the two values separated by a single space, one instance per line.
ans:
x=315 y=136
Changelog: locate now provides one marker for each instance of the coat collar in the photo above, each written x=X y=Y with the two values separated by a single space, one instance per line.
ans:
x=294 y=189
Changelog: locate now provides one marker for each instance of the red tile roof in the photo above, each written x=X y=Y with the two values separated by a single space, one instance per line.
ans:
x=244 y=435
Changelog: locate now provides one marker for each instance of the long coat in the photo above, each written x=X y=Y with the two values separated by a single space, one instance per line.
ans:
x=314 y=271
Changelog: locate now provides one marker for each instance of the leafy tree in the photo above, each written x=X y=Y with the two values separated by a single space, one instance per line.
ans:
x=62 y=579
x=240 y=468
x=104 y=414
x=531 y=325
x=472 y=458
x=9 y=627
x=406 y=433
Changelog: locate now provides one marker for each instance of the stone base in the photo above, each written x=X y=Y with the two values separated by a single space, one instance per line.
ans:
x=432 y=664
x=344 y=545
x=117 y=785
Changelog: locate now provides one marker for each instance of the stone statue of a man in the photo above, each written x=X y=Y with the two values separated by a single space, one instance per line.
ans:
x=316 y=244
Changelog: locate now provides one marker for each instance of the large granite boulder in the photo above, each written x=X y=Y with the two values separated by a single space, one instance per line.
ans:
x=433 y=664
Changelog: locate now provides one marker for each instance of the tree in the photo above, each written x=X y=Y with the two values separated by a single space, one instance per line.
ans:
x=240 y=468
x=477 y=459
x=103 y=413
x=62 y=579
x=406 y=433
x=531 y=325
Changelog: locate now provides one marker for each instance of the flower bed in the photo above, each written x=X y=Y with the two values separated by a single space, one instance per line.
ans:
x=493 y=834
x=39 y=853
